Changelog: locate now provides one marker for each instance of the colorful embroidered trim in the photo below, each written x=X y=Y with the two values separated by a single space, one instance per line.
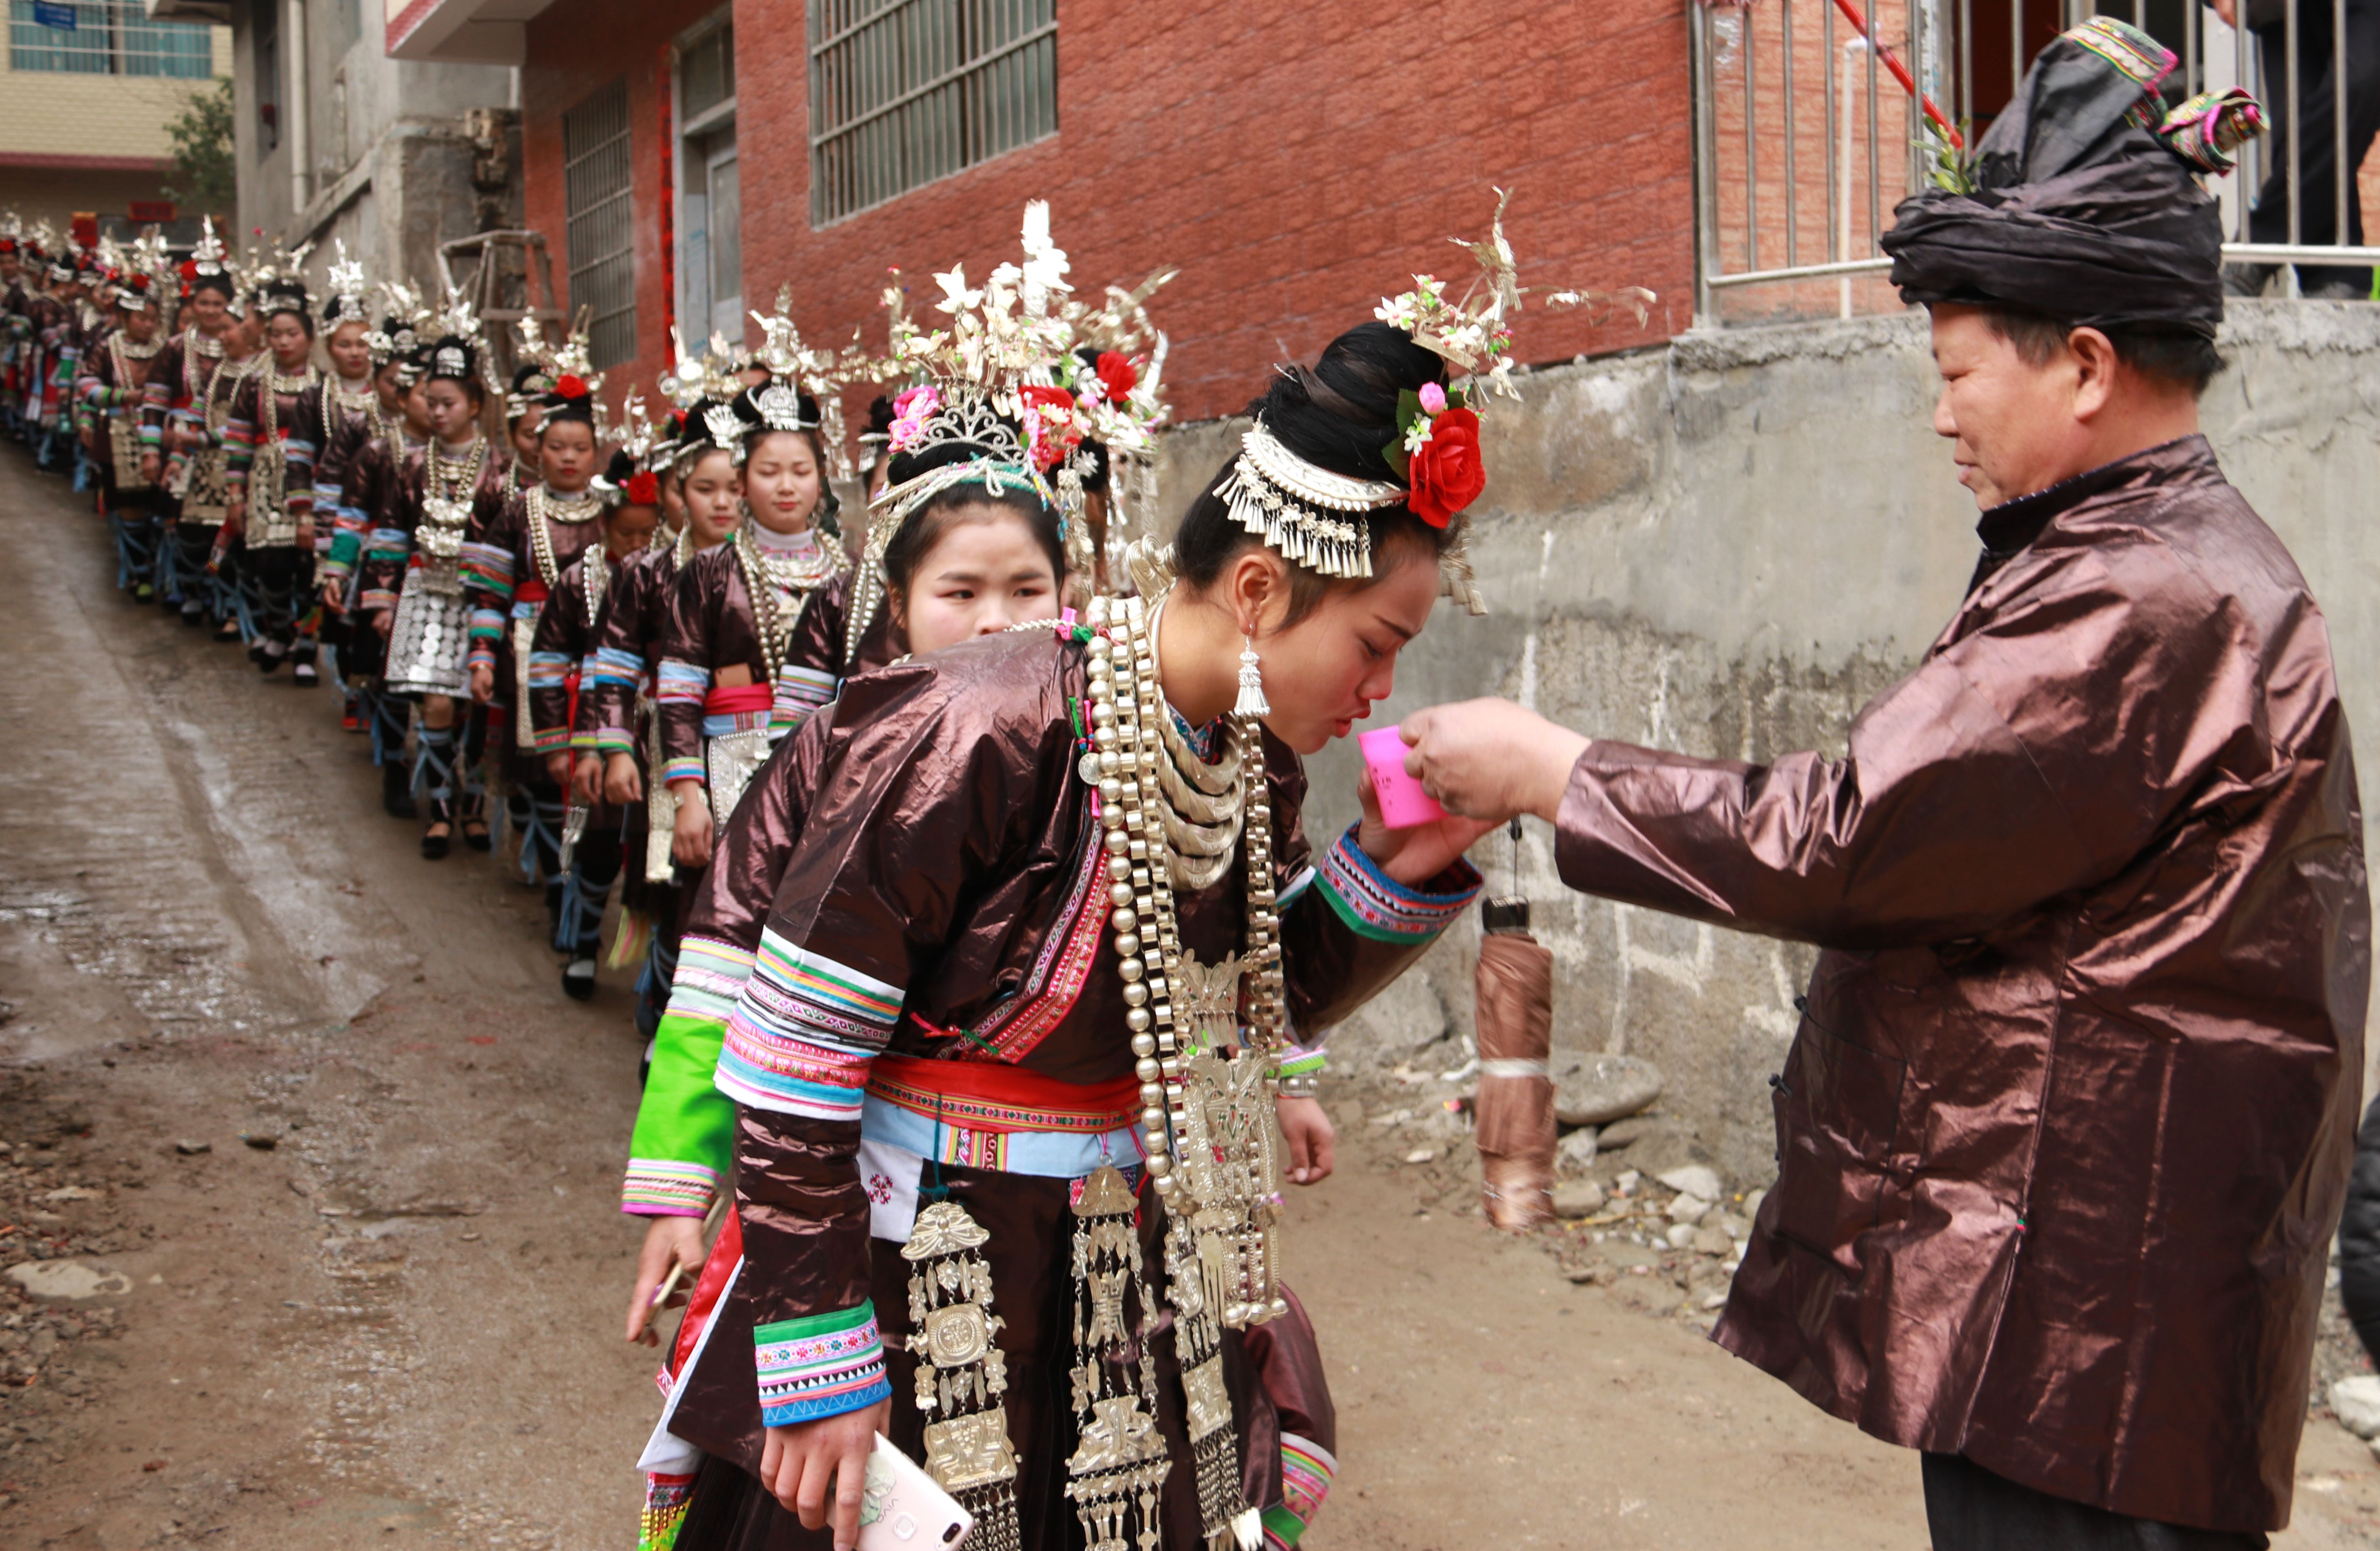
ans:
x=989 y=1096
x=1043 y=1155
x=549 y=670
x=665 y=1502
x=1297 y=1060
x=685 y=766
x=1306 y=1470
x=1049 y=992
x=487 y=625
x=803 y=1033
x=486 y=568
x=611 y=668
x=821 y=1365
x=680 y=684
x=1373 y=904
x=1299 y=882
x=800 y=692
x=661 y=1187
x=710 y=975
x=605 y=740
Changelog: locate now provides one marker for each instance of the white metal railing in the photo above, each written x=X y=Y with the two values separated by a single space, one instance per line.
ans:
x=1886 y=67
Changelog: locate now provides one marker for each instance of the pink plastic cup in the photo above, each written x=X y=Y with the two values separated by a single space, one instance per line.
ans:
x=1404 y=803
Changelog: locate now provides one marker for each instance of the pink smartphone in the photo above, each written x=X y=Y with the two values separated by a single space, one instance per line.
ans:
x=1404 y=803
x=902 y=1509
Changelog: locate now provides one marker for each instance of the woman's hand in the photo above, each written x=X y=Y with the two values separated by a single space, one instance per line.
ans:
x=690 y=842
x=586 y=781
x=797 y=1463
x=669 y=1242
x=384 y=621
x=557 y=770
x=483 y=683
x=235 y=521
x=1490 y=759
x=306 y=534
x=334 y=596
x=1312 y=1141
x=1413 y=856
x=621 y=783
x=148 y=467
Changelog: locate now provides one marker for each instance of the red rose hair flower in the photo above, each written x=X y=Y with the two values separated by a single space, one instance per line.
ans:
x=1117 y=375
x=571 y=386
x=1445 y=474
x=644 y=489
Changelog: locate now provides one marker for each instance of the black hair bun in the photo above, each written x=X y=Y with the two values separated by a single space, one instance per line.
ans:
x=1342 y=412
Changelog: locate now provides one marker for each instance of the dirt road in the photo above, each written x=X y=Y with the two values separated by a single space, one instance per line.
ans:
x=341 y=1162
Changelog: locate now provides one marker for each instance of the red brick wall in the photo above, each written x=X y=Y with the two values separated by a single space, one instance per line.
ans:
x=1296 y=162
x=573 y=51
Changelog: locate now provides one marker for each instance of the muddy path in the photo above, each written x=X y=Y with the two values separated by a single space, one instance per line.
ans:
x=338 y=1164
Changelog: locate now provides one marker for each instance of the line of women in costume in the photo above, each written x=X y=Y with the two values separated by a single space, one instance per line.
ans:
x=986 y=951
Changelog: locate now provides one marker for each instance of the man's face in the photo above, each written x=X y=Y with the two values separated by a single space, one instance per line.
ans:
x=2011 y=424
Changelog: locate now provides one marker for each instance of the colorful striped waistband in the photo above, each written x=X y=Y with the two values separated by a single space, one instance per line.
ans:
x=738 y=699
x=986 y=1096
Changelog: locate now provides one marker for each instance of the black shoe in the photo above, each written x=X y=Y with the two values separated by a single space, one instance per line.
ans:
x=434 y=847
x=302 y=674
x=578 y=980
x=193 y=614
x=475 y=825
x=396 y=786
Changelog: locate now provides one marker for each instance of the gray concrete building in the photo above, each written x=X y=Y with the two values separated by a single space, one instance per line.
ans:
x=337 y=139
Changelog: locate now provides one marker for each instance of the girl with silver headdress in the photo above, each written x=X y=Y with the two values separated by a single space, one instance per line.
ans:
x=115 y=375
x=1051 y=922
x=173 y=414
x=442 y=492
x=344 y=409
x=751 y=645
x=365 y=569
x=512 y=564
x=269 y=468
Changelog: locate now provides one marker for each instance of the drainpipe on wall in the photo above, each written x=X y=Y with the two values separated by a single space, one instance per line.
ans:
x=298 y=113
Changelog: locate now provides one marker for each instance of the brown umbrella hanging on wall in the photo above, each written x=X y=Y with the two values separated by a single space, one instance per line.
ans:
x=1514 y=1014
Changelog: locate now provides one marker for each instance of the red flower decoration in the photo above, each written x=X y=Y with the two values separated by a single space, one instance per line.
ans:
x=644 y=489
x=1447 y=475
x=1058 y=435
x=571 y=386
x=1117 y=375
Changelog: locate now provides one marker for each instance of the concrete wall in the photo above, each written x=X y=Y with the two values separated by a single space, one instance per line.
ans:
x=1723 y=547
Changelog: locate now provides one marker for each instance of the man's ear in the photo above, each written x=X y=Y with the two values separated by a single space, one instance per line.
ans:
x=2096 y=365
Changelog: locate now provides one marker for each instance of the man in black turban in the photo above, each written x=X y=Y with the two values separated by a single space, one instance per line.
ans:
x=2064 y=1129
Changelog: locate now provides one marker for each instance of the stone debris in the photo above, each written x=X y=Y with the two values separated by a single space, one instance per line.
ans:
x=68 y=1279
x=2356 y=1402
x=1596 y=1089
x=1578 y=1198
x=1576 y=1152
x=1694 y=1180
x=192 y=1149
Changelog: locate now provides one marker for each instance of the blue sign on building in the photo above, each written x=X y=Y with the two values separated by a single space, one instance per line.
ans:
x=48 y=15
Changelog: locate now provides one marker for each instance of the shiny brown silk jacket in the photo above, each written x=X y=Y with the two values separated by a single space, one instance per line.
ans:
x=2065 y=1129
x=710 y=624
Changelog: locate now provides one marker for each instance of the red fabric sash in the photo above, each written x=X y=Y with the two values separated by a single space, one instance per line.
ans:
x=737 y=699
x=986 y=1096
x=725 y=1251
x=529 y=591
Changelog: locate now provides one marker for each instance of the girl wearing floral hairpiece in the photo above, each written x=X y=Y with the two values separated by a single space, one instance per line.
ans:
x=342 y=413
x=753 y=641
x=115 y=371
x=957 y=1044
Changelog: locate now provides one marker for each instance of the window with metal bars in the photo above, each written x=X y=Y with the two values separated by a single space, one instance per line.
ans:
x=905 y=92
x=600 y=199
x=108 y=38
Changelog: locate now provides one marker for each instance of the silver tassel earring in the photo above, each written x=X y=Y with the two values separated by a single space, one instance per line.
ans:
x=1252 y=698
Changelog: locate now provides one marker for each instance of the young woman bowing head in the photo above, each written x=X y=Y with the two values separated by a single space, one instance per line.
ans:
x=1053 y=912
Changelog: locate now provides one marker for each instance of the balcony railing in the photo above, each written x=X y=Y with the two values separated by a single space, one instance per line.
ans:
x=1806 y=133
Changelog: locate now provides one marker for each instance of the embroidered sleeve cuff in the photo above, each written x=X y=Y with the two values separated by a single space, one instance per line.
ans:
x=661 y=1187
x=804 y=1033
x=605 y=740
x=1373 y=904
x=487 y=625
x=551 y=740
x=821 y=1365
x=374 y=599
x=687 y=767
x=1298 y=1061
